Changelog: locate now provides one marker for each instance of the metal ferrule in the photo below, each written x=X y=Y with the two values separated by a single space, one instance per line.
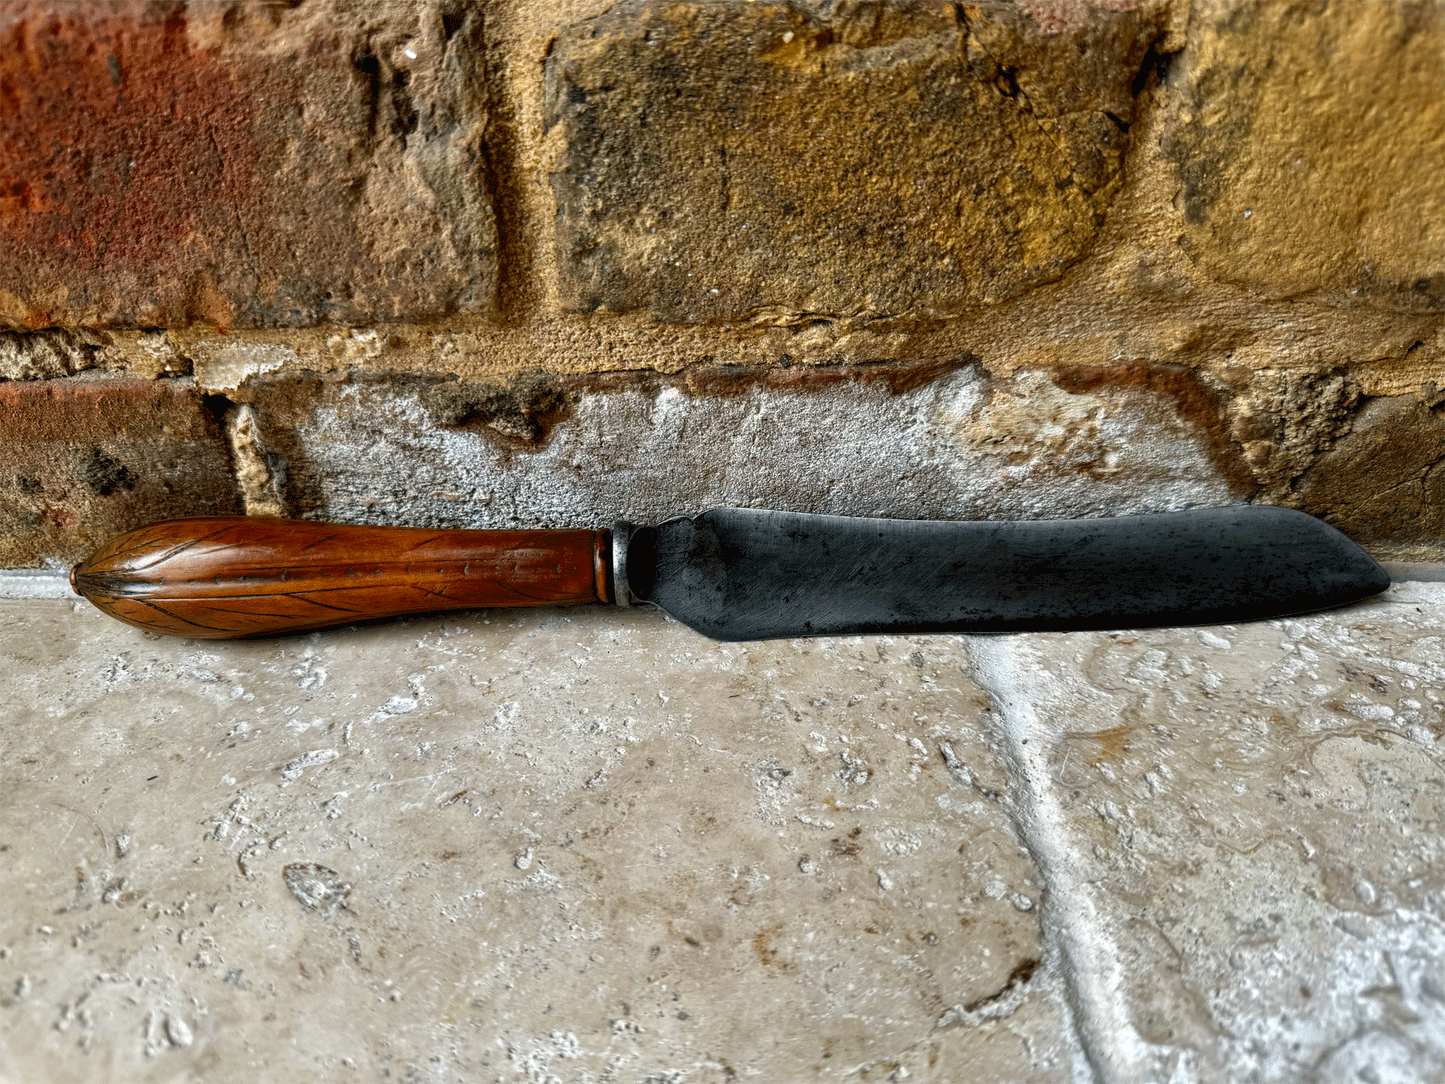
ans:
x=621 y=536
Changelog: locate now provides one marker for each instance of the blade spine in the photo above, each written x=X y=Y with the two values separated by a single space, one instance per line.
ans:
x=1360 y=574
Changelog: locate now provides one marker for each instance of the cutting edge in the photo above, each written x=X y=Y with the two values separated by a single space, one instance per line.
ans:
x=745 y=574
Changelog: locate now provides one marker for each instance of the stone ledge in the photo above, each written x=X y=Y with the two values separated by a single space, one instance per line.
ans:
x=1239 y=817
x=202 y=838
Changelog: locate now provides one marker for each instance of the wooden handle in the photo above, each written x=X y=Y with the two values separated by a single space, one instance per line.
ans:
x=229 y=576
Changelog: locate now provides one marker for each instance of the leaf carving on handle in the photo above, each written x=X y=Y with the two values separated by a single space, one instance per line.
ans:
x=244 y=576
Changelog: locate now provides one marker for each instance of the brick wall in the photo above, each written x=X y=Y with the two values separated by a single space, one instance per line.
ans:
x=550 y=263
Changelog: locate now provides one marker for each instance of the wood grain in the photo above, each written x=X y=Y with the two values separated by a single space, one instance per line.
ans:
x=230 y=576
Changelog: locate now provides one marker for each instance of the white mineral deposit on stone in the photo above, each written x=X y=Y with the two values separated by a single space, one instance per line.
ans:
x=34 y=583
x=293 y=769
x=940 y=440
x=815 y=822
x=899 y=842
x=178 y=1031
x=1370 y=712
x=227 y=367
x=956 y=768
x=316 y=886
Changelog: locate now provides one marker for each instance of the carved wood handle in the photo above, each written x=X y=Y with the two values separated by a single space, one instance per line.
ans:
x=229 y=576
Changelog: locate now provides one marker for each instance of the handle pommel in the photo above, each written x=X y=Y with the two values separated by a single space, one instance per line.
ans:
x=230 y=576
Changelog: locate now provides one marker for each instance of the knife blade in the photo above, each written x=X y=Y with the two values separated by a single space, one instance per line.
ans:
x=740 y=573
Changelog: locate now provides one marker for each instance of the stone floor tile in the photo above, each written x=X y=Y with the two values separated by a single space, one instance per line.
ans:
x=530 y=846
x=1241 y=831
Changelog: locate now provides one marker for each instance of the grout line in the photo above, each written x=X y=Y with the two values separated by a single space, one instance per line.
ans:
x=259 y=476
x=1072 y=928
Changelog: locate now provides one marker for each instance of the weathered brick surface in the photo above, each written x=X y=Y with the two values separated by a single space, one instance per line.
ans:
x=241 y=165
x=767 y=212
x=1385 y=480
x=1310 y=143
x=726 y=161
x=369 y=447
x=81 y=460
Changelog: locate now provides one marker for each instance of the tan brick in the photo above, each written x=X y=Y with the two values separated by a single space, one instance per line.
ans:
x=732 y=161
x=239 y=165
x=1310 y=143
x=87 y=459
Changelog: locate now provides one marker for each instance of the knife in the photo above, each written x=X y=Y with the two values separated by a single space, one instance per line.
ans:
x=740 y=573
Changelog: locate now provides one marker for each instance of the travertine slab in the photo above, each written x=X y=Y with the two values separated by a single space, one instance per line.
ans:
x=575 y=846
x=1241 y=831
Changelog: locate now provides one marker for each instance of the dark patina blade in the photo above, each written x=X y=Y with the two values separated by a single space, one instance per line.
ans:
x=744 y=574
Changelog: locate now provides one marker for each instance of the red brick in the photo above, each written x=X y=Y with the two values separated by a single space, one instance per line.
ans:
x=238 y=165
x=85 y=459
